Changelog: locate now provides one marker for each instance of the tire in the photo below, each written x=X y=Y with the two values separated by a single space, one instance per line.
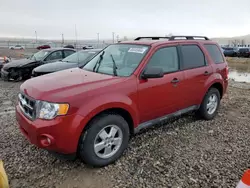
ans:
x=203 y=111
x=19 y=77
x=90 y=137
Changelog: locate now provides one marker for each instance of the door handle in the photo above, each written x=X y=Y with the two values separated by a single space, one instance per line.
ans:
x=206 y=73
x=175 y=80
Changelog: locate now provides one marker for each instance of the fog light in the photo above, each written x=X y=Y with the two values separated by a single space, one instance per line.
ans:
x=46 y=140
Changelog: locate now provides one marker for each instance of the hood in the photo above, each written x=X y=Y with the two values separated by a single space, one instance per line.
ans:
x=53 y=67
x=60 y=86
x=18 y=63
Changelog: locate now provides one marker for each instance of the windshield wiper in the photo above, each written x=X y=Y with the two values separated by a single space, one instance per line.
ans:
x=114 y=65
x=98 y=62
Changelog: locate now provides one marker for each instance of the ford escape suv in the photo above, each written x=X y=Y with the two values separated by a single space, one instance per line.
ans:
x=91 y=111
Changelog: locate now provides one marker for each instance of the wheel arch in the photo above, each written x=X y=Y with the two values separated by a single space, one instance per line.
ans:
x=219 y=86
x=114 y=110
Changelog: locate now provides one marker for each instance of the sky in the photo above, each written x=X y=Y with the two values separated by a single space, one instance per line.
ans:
x=131 y=18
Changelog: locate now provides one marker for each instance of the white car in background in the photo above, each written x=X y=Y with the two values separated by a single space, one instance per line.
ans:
x=89 y=47
x=16 y=47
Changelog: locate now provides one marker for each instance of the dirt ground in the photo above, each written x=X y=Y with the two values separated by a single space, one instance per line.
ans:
x=240 y=64
x=185 y=152
x=16 y=53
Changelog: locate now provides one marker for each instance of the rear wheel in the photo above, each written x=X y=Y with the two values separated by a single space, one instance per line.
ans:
x=210 y=104
x=105 y=140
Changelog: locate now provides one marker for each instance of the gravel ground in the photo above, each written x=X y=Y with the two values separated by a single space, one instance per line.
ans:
x=185 y=152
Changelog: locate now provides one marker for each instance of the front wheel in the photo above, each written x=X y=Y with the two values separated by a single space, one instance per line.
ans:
x=105 y=140
x=210 y=104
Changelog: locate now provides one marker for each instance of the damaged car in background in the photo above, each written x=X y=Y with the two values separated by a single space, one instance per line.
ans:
x=77 y=59
x=21 y=69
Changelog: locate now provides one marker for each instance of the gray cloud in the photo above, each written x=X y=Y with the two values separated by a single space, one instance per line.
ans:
x=51 y=18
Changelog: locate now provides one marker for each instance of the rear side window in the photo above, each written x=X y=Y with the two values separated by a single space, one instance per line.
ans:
x=165 y=58
x=215 y=53
x=193 y=57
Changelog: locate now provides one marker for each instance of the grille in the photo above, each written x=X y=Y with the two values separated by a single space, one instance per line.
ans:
x=28 y=106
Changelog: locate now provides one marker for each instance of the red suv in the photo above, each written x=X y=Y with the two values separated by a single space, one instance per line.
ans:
x=92 y=110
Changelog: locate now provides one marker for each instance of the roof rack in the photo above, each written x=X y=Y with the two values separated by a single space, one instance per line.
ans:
x=152 y=38
x=188 y=38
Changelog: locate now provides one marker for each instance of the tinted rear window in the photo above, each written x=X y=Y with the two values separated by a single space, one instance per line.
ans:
x=193 y=57
x=214 y=52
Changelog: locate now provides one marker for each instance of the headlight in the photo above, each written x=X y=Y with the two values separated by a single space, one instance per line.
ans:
x=46 y=110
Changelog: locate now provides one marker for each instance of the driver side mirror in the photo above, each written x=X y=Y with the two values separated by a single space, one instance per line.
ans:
x=152 y=72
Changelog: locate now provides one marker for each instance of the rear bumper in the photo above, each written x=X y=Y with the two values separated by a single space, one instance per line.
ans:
x=64 y=132
x=244 y=55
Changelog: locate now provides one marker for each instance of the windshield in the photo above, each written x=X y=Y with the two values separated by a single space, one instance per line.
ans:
x=123 y=57
x=39 y=55
x=79 y=57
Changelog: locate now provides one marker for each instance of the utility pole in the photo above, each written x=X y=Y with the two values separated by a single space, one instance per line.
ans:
x=98 y=39
x=117 y=38
x=113 y=37
x=36 y=36
x=62 y=39
x=76 y=37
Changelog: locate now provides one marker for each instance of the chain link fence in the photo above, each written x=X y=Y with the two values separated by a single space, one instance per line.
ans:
x=54 y=44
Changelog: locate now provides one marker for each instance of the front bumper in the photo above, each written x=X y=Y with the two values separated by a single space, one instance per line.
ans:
x=64 y=132
x=5 y=75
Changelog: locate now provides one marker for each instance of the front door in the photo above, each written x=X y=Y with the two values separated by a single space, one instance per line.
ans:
x=54 y=56
x=160 y=96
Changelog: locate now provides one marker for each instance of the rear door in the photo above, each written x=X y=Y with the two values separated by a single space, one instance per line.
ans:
x=219 y=63
x=196 y=72
x=161 y=96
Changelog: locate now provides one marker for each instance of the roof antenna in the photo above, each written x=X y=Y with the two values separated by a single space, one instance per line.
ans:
x=76 y=47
